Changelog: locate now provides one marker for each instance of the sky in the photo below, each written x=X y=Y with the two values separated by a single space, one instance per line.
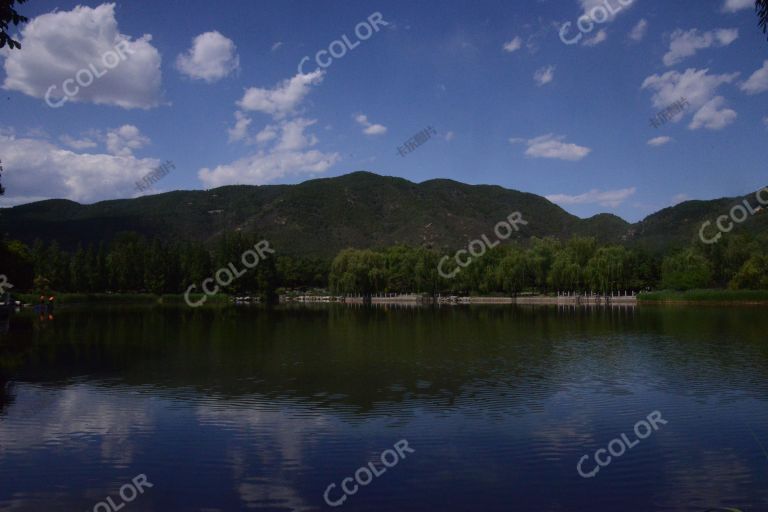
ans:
x=553 y=97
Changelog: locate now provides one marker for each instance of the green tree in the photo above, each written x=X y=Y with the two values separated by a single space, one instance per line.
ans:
x=610 y=269
x=686 y=270
x=753 y=275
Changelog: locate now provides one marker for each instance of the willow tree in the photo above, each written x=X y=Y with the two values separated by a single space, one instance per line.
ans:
x=761 y=6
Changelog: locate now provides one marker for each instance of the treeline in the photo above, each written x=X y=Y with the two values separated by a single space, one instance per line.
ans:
x=132 y=263
x=548 y=265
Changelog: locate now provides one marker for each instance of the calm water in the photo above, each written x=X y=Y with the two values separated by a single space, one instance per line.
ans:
x=249 y=409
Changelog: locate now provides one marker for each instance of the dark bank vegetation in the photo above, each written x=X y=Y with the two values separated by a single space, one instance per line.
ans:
x=134 y=264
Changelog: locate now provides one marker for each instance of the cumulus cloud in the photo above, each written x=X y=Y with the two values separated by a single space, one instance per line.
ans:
x=600 y=37
x=738 y=5
x=368 y=127
x=685 y=44
x=38 y=169
x=284 y=98
x=513 y=45
x=267 y=166
x=699 y=88
x=240 y=130
x=638 y=32
x=293 y=137
x=544 y=75
x=124 y=140
x=284 y=146
x=713 y=115
x=607 y=198
x=57 y=45
x=288 y=156
x=84 y=143
x=758 y=82
x=551 y=146
x=659 y=141
x=211 y=58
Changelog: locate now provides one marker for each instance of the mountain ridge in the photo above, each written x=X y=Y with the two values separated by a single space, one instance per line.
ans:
x=360 y=209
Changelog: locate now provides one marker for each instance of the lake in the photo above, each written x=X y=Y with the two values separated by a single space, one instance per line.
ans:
x=487 y=408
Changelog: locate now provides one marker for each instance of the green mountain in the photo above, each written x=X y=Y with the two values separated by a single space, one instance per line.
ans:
x=320 y=217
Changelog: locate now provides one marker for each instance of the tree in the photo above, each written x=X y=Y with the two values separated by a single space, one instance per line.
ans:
x=610 y=269
x=686 y=270
x=761 y=6
x=9 y=15
x=753 y=275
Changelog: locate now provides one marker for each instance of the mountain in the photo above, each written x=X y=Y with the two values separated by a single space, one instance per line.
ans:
x=322 y=216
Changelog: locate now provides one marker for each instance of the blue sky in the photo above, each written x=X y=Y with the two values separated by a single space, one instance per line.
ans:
x=215 y=89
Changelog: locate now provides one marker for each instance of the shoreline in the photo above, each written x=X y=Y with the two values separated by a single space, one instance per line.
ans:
x=701 y=297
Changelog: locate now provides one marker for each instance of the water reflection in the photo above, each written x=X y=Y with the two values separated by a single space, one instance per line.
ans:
x=250 y=408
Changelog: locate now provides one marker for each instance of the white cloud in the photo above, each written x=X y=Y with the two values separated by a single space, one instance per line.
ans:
x=369 y=128
x=276 y=46
x=695 y=85
x=267 y=134
x=713 y=116
x=608 y=198
x=283 y=146
x=450 y=136
x=758 y=82
x=685 y=44
x=124 y=140
x=600 y=37
x=37 y=169
x=551 y=146
x=84 y=143
x=293 y=137
x=56 y=46
x=659 y=141
x=211 y=58
x=639 y=31
x=283 y=99
x=680 y=198
x=240 y=130
x=544 y=75
x=765 y=120
x=738 y=5
x=265 y=167
x=513 y=45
